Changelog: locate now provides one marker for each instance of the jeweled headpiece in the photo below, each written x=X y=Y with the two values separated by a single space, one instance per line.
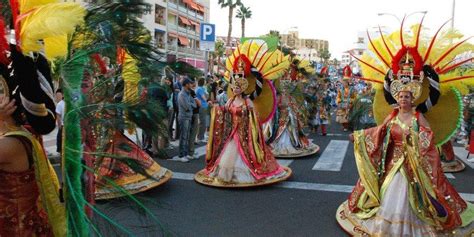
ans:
x=250 y=66
x=406 y=79
x=431 y=68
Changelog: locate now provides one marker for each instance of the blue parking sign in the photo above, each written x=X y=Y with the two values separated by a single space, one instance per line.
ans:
x=207 y=37
x=208 y=32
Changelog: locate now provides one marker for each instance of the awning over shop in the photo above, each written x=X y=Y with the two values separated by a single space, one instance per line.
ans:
x=194 y=23
x=183 y=40
x=185 y=20
x=194 y=6
x=201 y=8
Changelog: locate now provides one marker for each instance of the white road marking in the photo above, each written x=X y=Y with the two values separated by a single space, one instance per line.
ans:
x=333 y=156
x=311 y=186
x=336 y=134
x=449 y=176
x=461 y=153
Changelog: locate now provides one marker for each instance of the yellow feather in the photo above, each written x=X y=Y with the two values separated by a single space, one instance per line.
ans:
x=47 y=22
x=55 y=47
x=270 y=64
x=26 y=5
x=131 y=77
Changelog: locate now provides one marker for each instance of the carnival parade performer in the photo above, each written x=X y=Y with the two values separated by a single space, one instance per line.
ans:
x=402 y=190
x=30 y=202
x=321 y=112
x=237 y=155
x=345 y=97
x=288 y=139
x=140 y=172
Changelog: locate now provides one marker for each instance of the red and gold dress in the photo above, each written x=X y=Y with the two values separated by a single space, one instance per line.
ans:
x=344 y=100
x=130 y=168
x=29 y=200
x=402 y=190
x=236 y=152
x=289 y=139
x=19 y=215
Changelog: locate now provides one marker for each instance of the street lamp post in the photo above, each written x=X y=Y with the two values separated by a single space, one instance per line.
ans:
x=399 y=21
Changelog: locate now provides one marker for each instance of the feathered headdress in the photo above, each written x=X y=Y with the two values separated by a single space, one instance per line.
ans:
x=431 y=68
x=346 y=73
x=253 y=62
x=300 y=68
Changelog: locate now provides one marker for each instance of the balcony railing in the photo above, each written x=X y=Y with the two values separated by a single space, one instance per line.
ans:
x=182 y=29
x=172 y=5
x=172 y=47
x=200 y=17
x=185 y=50
x=183 y=9
x=172 y=26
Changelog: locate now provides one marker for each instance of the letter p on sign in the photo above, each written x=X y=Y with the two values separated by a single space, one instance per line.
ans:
x=208 y=32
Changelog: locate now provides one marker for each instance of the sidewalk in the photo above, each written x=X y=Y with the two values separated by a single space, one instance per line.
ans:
x=49 y=143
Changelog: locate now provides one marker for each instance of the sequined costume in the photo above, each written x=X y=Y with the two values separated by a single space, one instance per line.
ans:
x=398 y=193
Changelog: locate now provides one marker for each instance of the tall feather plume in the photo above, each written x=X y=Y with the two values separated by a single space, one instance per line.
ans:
x=107 y=30
x=50 y=23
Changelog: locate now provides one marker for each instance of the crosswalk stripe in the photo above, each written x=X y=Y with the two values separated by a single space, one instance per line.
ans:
x=461 y=152
x=336 y=134
x=333 y=156
x=449 y=176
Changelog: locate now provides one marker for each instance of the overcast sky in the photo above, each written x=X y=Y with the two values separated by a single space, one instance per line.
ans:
x=338 y=21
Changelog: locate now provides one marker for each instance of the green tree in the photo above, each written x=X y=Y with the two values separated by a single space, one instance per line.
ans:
x=216 y=56
x=243 y=13
x=231 y=4
x=324 y=55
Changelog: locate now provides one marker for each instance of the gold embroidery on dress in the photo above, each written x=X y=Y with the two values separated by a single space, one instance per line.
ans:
x=424 y=139
x=369 y=144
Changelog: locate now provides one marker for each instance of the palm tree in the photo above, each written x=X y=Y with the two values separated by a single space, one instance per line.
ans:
x=217 y=55
x=324 y=55
x=243 y=13
x=231 y=4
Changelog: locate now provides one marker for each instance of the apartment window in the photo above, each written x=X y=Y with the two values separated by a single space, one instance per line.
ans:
x=160 y=14
x=159 y=39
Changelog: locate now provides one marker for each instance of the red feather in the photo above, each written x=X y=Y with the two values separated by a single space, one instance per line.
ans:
x=360 y=60
x=263 y=55
x=266 y=61
x=4 y=47
x=427 y=54
x=416 y=58
x=370 y=80
x=401 y=32
x=256 y=55
x=15 y=11
x=445 y=69
x=100 y=62
x=248 y=50
x=376 y=51
x=419 y=31
x=247 y=64
x=385 y=43
x=449 y=51
x=456 y=79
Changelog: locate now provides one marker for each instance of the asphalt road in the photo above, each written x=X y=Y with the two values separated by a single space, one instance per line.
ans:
x=305 y=205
